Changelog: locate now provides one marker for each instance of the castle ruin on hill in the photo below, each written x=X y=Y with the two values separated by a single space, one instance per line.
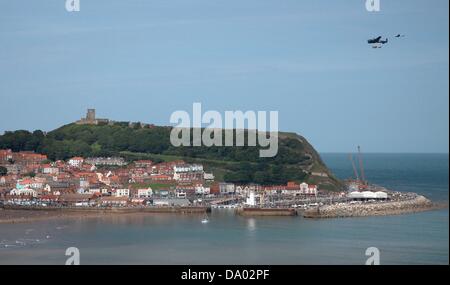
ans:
x=91 y=119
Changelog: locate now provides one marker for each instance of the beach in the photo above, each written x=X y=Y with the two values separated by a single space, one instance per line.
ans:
x=27 y=215
x=337 y=210
x=149 y=238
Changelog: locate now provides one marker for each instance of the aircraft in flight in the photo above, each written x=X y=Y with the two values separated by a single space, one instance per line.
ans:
x=374 y=40
x=377 y=42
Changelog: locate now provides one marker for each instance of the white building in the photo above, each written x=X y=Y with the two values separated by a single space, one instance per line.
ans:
x=145 y=193
x=201 y=190
x=76 y=161
x=303 y=187
x=306 y=189
x=245 y=190
x=251 y=200
x=186 y=168
x=23 y=192
x=208 y=176
x=50 y=170
x=122 y=192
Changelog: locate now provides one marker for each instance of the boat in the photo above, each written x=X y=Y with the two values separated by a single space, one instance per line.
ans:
x=205 y=219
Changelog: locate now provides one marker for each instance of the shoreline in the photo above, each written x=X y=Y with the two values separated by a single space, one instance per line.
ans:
x=25 y=215
x=280 y=212
x=15 y=215
x=416 y=205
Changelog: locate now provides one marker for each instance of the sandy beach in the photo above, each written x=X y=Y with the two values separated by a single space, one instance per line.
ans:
x=8 y=216
x=31 y=215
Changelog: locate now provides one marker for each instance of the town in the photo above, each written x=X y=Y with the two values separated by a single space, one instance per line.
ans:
x=30 y=179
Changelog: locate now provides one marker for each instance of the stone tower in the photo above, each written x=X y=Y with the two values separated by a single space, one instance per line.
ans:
x=90 y=116
x=91 y=119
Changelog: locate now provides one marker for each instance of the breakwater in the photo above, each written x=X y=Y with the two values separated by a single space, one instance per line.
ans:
x=266 y=212
x=417 y=204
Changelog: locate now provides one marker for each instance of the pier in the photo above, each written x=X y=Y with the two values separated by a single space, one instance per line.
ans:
x=266 y=212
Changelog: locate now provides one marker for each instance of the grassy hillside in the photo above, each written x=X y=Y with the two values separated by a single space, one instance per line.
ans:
x=296 y=159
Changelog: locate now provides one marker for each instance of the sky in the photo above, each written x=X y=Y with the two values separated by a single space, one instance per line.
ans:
x=307 y=59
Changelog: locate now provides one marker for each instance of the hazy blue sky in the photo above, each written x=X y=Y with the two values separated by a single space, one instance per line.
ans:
x=142 y=60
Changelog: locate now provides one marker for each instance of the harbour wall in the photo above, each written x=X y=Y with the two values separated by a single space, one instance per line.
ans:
x=266 y=212
x=417 y=204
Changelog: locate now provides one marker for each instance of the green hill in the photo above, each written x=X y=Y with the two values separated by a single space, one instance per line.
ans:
x=296 y=159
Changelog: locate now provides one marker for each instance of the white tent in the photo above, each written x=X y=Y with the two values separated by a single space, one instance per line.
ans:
x=381 y=195
x=367 y=195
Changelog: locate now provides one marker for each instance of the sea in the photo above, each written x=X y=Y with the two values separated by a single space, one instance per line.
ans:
x=419 y=238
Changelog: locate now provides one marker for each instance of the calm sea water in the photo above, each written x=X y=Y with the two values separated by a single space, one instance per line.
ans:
x=421 y=238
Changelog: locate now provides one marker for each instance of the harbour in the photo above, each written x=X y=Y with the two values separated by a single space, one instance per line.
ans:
x=175 y=238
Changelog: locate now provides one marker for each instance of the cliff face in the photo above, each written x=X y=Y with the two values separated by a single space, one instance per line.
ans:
x=317 y=171
x=296 y=159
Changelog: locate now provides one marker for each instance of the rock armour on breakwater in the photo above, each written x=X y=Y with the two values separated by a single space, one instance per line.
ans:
x=417 y=204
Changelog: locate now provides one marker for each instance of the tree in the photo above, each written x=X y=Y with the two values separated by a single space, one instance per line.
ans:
x=3 y=171
x=30 y=174
x=239 y=164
